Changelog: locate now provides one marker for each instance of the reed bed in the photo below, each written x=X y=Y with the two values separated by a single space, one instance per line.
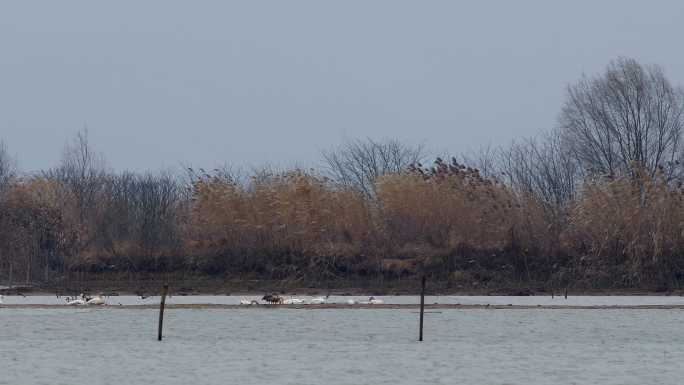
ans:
x=447 y=220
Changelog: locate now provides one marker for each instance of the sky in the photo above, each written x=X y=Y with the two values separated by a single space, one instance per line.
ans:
x=206 y=83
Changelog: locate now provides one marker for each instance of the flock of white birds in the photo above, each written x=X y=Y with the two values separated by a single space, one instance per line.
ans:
x=100 y=299
x=83 y=299
x=314 y=301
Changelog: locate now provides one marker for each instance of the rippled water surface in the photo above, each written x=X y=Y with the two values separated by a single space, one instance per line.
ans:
x=79 y=346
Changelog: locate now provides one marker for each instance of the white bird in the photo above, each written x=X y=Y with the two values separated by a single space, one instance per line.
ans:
x=99 y=300
x=76 y=300
x=319 y=300
x=352 y=302
x=244 y=301
x=293 y=301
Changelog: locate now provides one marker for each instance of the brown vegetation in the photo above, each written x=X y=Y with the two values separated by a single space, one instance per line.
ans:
x=540 y=213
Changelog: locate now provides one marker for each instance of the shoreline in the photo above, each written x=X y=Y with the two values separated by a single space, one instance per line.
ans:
x=350 y=292
x=350 y=307
x=183 y=289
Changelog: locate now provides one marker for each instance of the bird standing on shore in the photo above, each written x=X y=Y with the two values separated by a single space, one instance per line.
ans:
x=98 y=300
x=76 y=302
x=294 y=301
x=244 y=301
x=319 y=300
x=273 y=299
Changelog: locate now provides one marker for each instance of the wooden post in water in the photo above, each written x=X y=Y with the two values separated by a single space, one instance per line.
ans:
x=566 y=292
x=165 y=291
x=422 y=308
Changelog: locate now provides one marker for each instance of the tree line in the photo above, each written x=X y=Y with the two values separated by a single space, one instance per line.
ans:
x=595 y=202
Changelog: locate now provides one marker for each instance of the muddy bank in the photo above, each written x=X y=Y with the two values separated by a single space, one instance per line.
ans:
x=357 y=306
x=202 y=285
x=153 y=288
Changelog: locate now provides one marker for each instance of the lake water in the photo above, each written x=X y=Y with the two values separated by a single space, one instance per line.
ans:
x=81 y=346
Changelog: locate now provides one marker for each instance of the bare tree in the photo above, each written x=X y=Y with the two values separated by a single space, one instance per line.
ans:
x=629 y=116
x=542 y=167
x=359 y=163
x=83 y=172
x=484 y=159
x=7 y=230
x=7 y=168
x=158 y=196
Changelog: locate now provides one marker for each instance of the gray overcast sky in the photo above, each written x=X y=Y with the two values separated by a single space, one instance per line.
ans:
x=249 y=82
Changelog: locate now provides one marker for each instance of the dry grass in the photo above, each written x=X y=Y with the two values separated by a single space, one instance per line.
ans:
x=447 y=209
x=635 y=224
x=289 y=215
x=447 y=220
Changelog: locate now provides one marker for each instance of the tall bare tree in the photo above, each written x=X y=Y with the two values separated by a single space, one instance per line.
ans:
x=359 y=163
x=7 y=168
x=541 y=166
x=7 y=173
x=484 y=159
x=629 y=116
x=83 y=172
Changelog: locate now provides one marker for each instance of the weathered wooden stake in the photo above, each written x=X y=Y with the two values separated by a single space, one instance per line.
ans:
x=566 y=292
x=165 y=290
x=422 y=309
